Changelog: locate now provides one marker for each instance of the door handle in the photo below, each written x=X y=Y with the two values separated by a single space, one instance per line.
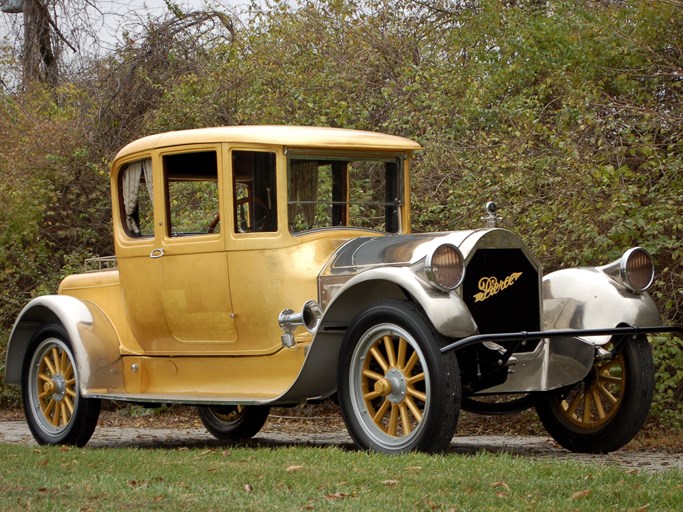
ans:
x=156 y=253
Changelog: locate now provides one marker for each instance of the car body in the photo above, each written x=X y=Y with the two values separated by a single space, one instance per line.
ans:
x=274 y=265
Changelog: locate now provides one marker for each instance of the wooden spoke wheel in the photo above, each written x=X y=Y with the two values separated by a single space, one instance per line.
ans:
x=607 y=409
x=55 y=410
x=233 y=422
x=397 y=391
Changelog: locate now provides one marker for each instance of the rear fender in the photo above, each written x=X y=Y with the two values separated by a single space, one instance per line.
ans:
x=92 y=336
x=588 y=298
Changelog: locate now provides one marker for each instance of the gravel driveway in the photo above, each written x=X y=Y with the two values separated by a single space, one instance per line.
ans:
x=537 y=447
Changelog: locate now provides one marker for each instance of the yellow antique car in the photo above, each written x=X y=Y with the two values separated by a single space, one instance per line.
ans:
x=274 y=265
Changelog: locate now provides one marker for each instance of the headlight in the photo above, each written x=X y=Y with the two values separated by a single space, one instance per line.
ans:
x=445 y=267
x=637 y=270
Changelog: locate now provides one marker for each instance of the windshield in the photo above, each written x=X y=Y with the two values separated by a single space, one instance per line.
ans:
x=326 y=192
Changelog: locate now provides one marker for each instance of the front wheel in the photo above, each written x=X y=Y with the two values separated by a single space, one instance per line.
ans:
x=56 y=412
x=233 y=422
x=606 y=410
x=397 y=392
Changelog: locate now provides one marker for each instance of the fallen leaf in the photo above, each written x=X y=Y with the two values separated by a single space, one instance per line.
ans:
x=580 y=494
x=644 y=508
x=338 y=496
x=248 y=487
x=414 y=468
x=389 y=482
x=43 y=463
x=294 y=468
x=504 y=485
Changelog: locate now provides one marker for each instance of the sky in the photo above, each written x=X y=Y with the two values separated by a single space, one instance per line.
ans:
x=110 y=16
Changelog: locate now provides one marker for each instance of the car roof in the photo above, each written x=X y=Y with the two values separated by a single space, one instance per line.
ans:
x=279 y=135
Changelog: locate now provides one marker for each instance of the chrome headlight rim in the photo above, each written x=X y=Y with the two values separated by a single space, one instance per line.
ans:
x=625 y=271
x=432 y=270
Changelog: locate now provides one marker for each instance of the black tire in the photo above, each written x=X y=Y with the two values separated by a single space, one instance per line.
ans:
x=233 y=422
x=397 y=392
x=56 y=412
x=608 y=408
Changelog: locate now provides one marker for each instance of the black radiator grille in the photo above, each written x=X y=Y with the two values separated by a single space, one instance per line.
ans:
x=501 y=289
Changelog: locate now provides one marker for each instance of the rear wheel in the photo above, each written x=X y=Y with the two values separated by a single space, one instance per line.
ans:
x=608 y=408
x=233 y=422
x=56 y=412
x=397 y=392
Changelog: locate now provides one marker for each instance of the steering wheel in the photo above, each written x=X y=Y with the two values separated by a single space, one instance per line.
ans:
x=214 y=223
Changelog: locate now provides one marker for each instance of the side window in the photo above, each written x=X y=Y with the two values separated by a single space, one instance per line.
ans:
x=255 y=195
x=191 y=181
x=338 y=192
x=136 y=193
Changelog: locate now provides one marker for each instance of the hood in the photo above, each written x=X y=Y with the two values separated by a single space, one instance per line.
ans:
x=363 y=253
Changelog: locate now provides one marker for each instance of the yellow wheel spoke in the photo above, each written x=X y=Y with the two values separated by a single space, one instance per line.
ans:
x=587 y=408
x=607 y=394
x=402 y=349
x=47 y=410
x=610 y=364
x=372 y=375
x=415 y=378
x=405 y=418
x=57 y=413
x=64 y=413
x=64 y=362
x=69 y=405
x=414 y=409
x=417 y=394
x=44 y=394
x=48 y=363
x=56 y=359
x=377 y=418
x=414 y=358
x=611 y=379
x=573 y=405
x=380 y=359
x=44 y=378
x=372 y=395
x=393 y=420
x=71 y=392
x=598 y=404
x=389 y=349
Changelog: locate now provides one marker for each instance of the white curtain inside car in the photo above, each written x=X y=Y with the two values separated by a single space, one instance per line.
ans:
x=131 y=188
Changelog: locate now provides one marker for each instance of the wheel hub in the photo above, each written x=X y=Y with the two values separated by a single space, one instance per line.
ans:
x=57 y=386
x=395 y=378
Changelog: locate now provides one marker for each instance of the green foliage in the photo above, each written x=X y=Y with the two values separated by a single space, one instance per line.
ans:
x=566 y=114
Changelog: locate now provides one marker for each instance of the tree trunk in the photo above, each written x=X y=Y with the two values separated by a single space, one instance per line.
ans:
x=40 y=62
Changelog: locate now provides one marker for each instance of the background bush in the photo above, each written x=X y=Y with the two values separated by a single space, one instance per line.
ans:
x=567 y=114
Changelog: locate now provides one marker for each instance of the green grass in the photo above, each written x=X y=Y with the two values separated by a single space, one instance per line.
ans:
x=194 y=480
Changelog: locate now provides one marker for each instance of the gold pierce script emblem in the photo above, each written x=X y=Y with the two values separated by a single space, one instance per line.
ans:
x=489 y=286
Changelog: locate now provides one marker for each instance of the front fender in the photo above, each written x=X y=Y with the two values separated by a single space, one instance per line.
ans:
x=318 y=376
x=93 y=339
x=587 y=298
x=447 y=312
